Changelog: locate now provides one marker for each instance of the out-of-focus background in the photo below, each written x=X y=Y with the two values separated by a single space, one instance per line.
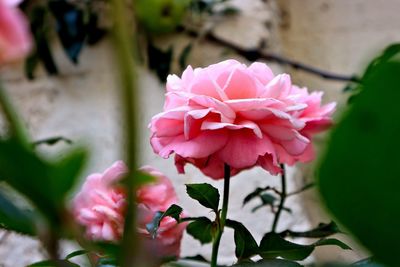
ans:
x=81 y=102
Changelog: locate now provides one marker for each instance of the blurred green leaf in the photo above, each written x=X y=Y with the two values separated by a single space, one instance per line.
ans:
x=77 y=253
x=322 y=230
x=52 y=141
x=174 y=211
x=369 y=262
x=184 y=56
x=40 y=27
x=205 y=194
x=107 y=262
x=160 y=16
x=273 y=245
x=71 y=28
x=159 y=60
x=16 y=219
x=361 y=165
x=66 y=171
x=54 y=263
x=201 y=229
x=388 y=54
x=246 y=246
x=45 y=184
x=269 y=263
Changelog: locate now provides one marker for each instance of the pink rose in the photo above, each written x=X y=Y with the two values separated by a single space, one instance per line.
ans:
x=238 y=115
x=101 y=204
x=15 y=38
x=151 y=198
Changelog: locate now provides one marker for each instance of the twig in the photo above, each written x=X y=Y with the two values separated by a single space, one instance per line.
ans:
x=305 y=187
x=256 y=54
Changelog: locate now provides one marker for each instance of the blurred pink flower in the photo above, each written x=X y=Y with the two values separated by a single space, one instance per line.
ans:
x=15 y=38
x=151 y=198
x=101 y=204
x=238 y=115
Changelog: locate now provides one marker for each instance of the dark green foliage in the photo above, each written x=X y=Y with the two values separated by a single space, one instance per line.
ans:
x=45 y=184
x=71 y=27
x=159 y=60
x=359 y=175
x=40 y=27
x=246 y=246
x=322 y=230
x=54 y=263
x=205 y=194
x=201 y=229
x=273 y=245
x=15 y=218
x=269 y=263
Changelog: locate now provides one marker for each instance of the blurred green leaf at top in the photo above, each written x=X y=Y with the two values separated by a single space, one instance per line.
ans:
x=359 y=177
x=160 y=16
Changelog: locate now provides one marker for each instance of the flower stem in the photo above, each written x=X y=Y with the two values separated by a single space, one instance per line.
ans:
x=125 y=55
x=282 y=201
x=221 y=219
x=16 y=126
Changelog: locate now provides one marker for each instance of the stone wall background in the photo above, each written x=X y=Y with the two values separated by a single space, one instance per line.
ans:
x=81 y=103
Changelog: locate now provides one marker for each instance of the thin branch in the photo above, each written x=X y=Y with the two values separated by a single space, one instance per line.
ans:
x=304 y=188
x=256 y=54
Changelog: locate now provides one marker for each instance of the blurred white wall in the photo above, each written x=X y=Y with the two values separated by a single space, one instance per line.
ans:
x=82 y=102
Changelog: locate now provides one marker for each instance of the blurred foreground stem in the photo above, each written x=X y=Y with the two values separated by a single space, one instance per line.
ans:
x=221 y=220
x=11 y=115
x=282 y=195
x=125 y=55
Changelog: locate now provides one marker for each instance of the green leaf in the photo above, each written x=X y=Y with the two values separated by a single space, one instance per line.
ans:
x=273 y=245
x=44 y=183
x=269 y=263
x=246 y=246
x=361 y=166
x=66 y=171
x=77 y=253
x=322 y=230
x=173 y=211
x=331 y=241
x=388 y=54
x=16 y=219
x=107 y=262
x=196 y=258
x=369 y=262
x=205 y=194
x=201 y=229
x=54 y=263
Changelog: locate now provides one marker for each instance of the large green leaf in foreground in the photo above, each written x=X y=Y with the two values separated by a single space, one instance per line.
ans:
x=359 y=176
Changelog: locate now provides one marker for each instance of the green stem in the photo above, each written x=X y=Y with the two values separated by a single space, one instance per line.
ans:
x=125 y=54
x=282 y=201
x=221 y=220
x=16 y=126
